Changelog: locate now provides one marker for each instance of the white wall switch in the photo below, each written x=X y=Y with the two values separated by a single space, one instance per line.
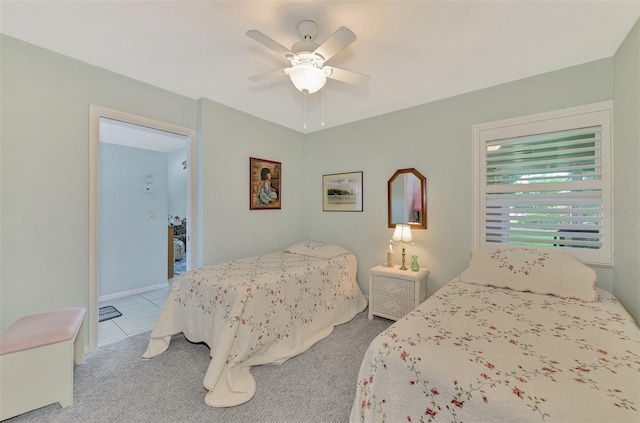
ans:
x=149 y=190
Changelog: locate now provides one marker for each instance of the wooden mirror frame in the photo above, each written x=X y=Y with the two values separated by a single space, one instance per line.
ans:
x=422 y=223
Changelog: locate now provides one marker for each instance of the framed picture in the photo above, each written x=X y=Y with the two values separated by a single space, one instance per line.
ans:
x=265 y=177
x=342 y=192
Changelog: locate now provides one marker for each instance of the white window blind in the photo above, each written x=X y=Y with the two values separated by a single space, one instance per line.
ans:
x=544 y=180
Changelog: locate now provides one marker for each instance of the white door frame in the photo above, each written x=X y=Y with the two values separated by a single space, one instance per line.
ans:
x=95 y=113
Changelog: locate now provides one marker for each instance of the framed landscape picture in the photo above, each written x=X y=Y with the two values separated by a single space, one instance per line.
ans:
x=265 y=178
x=342 y=192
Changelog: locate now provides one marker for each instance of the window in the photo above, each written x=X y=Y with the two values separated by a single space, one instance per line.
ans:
x=545 y=180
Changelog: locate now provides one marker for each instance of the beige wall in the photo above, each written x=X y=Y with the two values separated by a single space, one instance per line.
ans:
x=44 y=165
x=44 y=171
x=626 y=152
x=435 y=139
x=230 y=229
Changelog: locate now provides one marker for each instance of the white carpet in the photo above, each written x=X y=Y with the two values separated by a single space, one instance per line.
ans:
x=116 y=385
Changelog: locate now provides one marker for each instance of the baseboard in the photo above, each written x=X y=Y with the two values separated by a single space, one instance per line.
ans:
x=132 y=292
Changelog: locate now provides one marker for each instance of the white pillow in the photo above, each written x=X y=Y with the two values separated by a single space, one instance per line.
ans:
x=317 y=250
x=531 y=269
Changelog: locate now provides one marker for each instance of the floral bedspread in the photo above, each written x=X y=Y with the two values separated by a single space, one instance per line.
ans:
x=257 y=310
x=474 y=353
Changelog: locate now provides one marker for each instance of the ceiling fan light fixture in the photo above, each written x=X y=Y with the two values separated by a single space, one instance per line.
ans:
x=307 y=77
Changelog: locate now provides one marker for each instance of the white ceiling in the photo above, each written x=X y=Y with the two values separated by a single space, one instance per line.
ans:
x=414 y=51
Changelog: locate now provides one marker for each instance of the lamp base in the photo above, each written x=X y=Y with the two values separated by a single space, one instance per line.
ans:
x=403 y=267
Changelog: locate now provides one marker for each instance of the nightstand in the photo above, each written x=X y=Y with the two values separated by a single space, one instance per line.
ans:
x=393 y=292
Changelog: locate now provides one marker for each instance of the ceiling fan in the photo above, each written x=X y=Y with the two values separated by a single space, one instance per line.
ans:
x=308 y=71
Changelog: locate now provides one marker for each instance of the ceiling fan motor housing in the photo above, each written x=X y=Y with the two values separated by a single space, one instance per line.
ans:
x=305 y=57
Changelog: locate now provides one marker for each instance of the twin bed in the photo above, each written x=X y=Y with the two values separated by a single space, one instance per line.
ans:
x=522 y=335
x=259 y=310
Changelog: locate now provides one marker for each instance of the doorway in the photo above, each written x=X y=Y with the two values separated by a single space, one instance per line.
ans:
x=103 y=123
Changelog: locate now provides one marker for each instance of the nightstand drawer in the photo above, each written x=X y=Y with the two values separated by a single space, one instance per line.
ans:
x=391 y=307
x=396 y=288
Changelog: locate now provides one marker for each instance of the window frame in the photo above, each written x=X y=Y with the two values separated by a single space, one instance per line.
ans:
x=597 y=114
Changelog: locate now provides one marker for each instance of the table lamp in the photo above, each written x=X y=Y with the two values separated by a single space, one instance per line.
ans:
x=402 y=234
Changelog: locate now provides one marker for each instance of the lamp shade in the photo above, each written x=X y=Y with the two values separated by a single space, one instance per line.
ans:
x=402 y=233
x=307 y=77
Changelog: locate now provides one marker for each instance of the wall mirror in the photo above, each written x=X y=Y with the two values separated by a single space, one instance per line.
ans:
x=407 y=199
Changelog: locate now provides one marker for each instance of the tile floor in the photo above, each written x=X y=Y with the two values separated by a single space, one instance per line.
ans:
x=139 y=312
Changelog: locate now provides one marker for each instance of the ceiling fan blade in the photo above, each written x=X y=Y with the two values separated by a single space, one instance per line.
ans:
x=347 y=76
x=269 y=42
x=336 y=43
x=267 y=75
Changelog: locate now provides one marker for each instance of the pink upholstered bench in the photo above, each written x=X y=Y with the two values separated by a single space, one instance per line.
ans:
x=37 y=353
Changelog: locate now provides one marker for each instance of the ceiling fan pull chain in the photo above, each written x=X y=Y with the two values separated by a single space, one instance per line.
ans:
x=305 y=110
x=322 y=121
